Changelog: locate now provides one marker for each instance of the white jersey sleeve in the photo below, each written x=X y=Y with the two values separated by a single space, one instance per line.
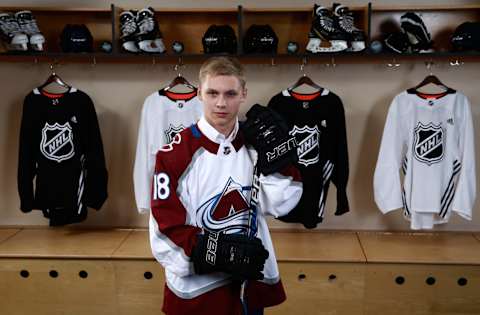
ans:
x=466 y=186
x=144 y=162
x=387 y=184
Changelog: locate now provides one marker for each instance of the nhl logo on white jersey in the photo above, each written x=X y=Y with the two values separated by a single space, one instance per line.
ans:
x=308 y=144
x=172 y=131
x=428 y=143
x=57 y=142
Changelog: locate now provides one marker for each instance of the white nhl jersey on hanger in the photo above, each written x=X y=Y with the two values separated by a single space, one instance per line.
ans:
x=164 y=114
x=429 y=137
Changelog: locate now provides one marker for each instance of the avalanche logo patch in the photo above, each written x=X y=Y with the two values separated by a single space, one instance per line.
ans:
x=428 y=143
x=57 y=142
x=172 y=131
x=308 y=148
x=227 y=211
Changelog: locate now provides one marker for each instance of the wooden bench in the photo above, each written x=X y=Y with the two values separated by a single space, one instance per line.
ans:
x=95 y=271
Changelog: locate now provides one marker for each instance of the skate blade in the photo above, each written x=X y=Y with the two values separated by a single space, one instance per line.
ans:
x=17 y=47
x=150 y=46
x=356 y=46
x=327 y=46
x=37 y=41
x=130 y=47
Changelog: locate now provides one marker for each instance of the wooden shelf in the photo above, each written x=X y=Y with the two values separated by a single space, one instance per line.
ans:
x=421 y=248
x=7 y=233
x=136 y=246
x=63 y=243
x=317 y=247
x=188 y=25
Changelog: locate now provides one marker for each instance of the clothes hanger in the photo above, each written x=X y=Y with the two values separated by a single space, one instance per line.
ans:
x=430 y=79
x=54 y=78
x=304 y=79
x=179 y=79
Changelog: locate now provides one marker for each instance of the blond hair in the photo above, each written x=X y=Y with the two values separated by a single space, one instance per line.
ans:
x=222 y=65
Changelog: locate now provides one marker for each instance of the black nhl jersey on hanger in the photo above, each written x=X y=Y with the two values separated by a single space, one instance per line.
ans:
x=317 y=121
x=61 y=148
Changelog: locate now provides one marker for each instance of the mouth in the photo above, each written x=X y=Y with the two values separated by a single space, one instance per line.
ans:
x=222 y=115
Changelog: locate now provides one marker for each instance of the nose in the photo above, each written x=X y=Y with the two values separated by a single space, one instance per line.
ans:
x=221 y=102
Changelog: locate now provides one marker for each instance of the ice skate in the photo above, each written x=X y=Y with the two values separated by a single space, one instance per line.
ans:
x=149 y=37
x=345 y=21
x=28 y=25
x=11 y=34
x=324 y=36
x=128 y=30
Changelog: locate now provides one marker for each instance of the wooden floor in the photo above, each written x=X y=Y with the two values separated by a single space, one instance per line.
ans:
x=72 y=271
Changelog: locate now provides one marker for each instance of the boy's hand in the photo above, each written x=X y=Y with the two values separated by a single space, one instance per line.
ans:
x=236 y=254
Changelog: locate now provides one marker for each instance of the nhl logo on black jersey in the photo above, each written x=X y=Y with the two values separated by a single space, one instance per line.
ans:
x=307 y=144
x=428 y=143
x=172 y=131
x=57 y=142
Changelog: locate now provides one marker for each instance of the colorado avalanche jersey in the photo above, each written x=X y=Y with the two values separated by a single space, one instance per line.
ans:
x=429 y=137
x=317 y=121
x=61 y=148
x=203 y=180
x=164 y=114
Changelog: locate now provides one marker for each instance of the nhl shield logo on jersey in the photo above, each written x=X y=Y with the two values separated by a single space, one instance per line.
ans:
x=307 y=140
x=227 y=211
x=172 y=131
x=428 y=143
x=57 y=142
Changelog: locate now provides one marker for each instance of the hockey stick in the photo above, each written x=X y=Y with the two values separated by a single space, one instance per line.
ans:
x=251 y=228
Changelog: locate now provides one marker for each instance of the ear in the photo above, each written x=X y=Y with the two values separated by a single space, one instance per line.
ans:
x=199 y=93
x=244 y=93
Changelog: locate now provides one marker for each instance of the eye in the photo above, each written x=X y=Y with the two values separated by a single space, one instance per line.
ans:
x=212 y=93
x=232 y=93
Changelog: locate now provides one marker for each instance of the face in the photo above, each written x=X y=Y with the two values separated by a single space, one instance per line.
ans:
x=222 y=96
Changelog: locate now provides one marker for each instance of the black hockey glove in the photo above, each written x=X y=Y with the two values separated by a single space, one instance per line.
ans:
x=236 y=254
x=268 y=133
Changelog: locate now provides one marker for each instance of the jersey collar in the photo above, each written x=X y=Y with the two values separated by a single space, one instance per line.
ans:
x=214 y=137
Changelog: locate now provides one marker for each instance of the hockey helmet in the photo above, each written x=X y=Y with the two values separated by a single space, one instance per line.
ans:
x=76 y=38
x=398 y=42
x=260 y=39
x=466 y=36
x=219 y=39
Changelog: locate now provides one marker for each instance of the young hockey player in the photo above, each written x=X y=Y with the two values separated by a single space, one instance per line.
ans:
x=204 y=228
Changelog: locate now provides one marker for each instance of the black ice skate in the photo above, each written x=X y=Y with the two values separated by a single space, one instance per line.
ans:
x=149 y=37
x=11 y=34
x=345 y=21
x=324 y=35
x=28 y=25
x=128 y=30
x=417 y=32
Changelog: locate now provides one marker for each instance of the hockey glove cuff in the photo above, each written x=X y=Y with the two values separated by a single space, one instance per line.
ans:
x=242 y=257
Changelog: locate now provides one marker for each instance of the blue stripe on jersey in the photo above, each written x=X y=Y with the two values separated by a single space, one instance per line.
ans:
x=196 y=133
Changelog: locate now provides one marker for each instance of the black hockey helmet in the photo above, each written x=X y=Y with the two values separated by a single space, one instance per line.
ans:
x=466 y=36
x=397 y=42
x=76 y=38
x=260 y=39
x=219 y=39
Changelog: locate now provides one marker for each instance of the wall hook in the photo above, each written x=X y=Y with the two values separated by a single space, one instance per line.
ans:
x=394 y=65
x=456 y=63
x=302 y=66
